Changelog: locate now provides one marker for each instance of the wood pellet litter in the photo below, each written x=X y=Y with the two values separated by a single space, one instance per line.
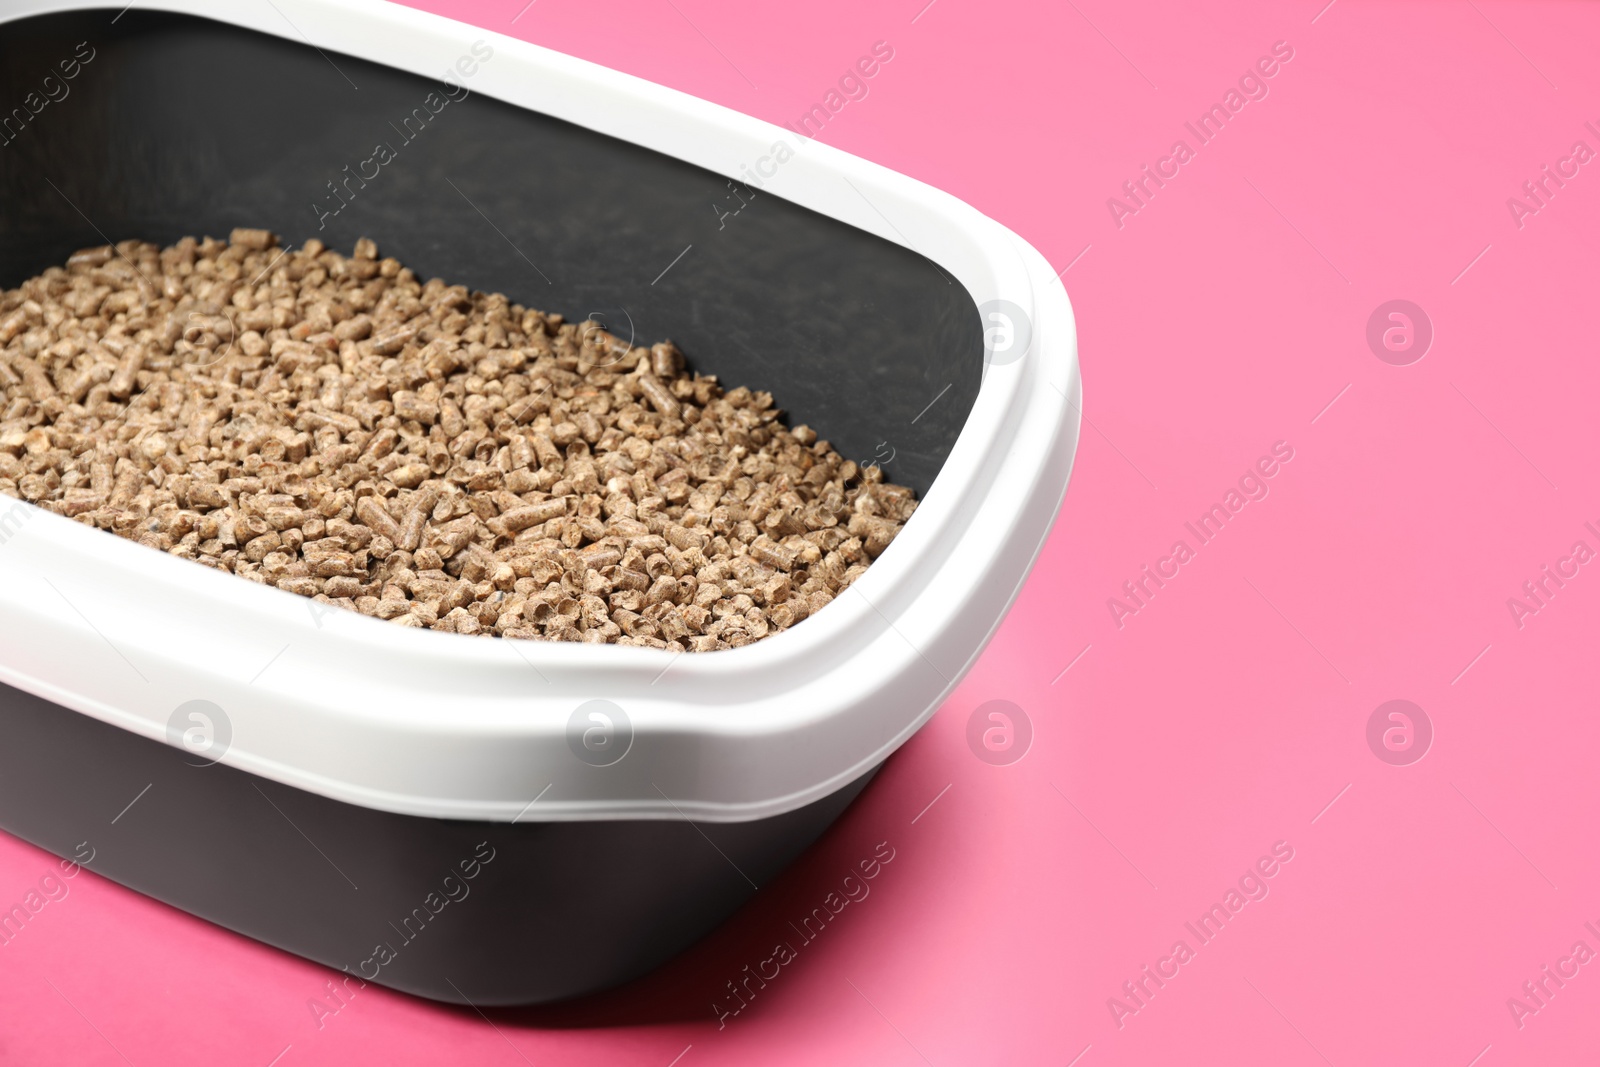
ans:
x=432 y=456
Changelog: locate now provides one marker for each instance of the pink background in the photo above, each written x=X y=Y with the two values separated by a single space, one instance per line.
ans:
x=1229 y=712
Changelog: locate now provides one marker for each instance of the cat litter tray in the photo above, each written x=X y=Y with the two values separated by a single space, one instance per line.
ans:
x=464 y=818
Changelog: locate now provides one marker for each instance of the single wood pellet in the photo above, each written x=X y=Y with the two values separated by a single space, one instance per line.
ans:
x=432 y=456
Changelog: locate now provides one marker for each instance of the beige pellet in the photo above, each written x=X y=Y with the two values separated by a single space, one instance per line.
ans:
x=665 y=360
x=772 y=555
x=875 y=532
x=13 y=324
x=524 y=517
x=659 y=398
x=416 y=518
x=128 y=367
x=371 y=512
x=549 y=456
x=255 y=240
x=35 y=380
x=91 y=257
x=392 y=341
x=409 y=476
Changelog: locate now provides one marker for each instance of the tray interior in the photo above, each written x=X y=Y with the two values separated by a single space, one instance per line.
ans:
x=180 y=125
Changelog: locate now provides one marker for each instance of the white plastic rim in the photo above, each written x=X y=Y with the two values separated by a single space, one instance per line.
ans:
x=445 y=725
